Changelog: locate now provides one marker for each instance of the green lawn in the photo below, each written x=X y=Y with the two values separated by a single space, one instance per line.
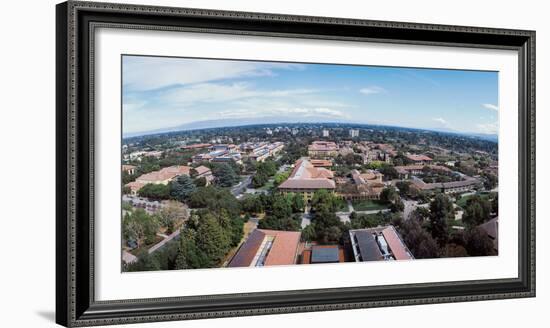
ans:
x=368 y=205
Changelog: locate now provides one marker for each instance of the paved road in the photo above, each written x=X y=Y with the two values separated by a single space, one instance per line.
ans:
x=350 y=206
x=306 y=219
x=241 y=187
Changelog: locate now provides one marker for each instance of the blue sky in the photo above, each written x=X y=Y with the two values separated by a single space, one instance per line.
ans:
x=160 y=92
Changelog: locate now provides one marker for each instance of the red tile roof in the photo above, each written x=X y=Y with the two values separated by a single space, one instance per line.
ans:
x=165 y=173
x=396 y=245
x=323 y=146
x=283 y=248
x=306 y=176
x=418 y=158
x=202 y=169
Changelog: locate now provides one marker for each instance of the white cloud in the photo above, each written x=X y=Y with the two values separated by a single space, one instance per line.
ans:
x=220 y=92
x=372 y=90
x=440 y=120
x=150 y=73
x=488 y=128
x=283 y=112
x=491 y=107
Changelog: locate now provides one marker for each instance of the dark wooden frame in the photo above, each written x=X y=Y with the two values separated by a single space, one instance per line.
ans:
x=76 y=22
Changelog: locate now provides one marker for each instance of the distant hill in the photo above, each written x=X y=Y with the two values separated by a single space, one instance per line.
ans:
x=198 y=125
x=274 y=120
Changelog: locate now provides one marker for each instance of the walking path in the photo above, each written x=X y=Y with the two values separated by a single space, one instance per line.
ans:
x=164 y=241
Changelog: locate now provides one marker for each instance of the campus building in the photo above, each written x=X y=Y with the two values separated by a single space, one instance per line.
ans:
x=354 y=133
x=165 y=175
x=267 y=247
x=419 y=159
x=323 y=254
x=322 y=149
x=306 y=179
x=453 y=187
x=405 y=172
x=367 y=185
x=378 y=244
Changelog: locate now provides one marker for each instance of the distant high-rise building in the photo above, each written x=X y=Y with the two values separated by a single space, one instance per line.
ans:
x=325 y=133
x=354 y=133
x=294 y=131
x=269 y=132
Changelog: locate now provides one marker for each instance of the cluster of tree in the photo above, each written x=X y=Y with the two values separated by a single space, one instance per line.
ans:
x=326 y=226
x=441 y=212
x=226 y=174
x=390 y=196
x=280 y=178
x=477 y=210
x=155 y=191
x=255 y=204
x=214 y=199
x=419 y=241
x=388 y=171
x=351 y=159
x=179 y=189
x=203 y=243
x=427 y=234
x=264 y=171
x=281 y=216
x=364 y=221
x=172 y=214
x=294 y=150
x=163 y=259
x=207 y=238
x=139 y=227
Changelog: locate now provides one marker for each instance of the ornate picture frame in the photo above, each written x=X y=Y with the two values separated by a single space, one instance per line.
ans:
x=77 y=22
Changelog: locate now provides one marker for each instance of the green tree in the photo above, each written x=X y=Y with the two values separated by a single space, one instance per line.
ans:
x=298 y=202
x=212 y=239
x=280 y=178
x=388 y=171
x=155 y=191
x=182 y=187
x=389 y=195
x=419 y=241
x=478 y=243
x=328 y=227
x=290 y=223
x=140 y=227
x=252 y=205
x=189 y=255
x=477 y=211
x=214 y=199
x=441 y=211
x=308 y=233
x=323 y=200
x=171 y=214
x=226 y=176
x=404 y=187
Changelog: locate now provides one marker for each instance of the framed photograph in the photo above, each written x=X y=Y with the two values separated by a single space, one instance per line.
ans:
x=214 y=163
